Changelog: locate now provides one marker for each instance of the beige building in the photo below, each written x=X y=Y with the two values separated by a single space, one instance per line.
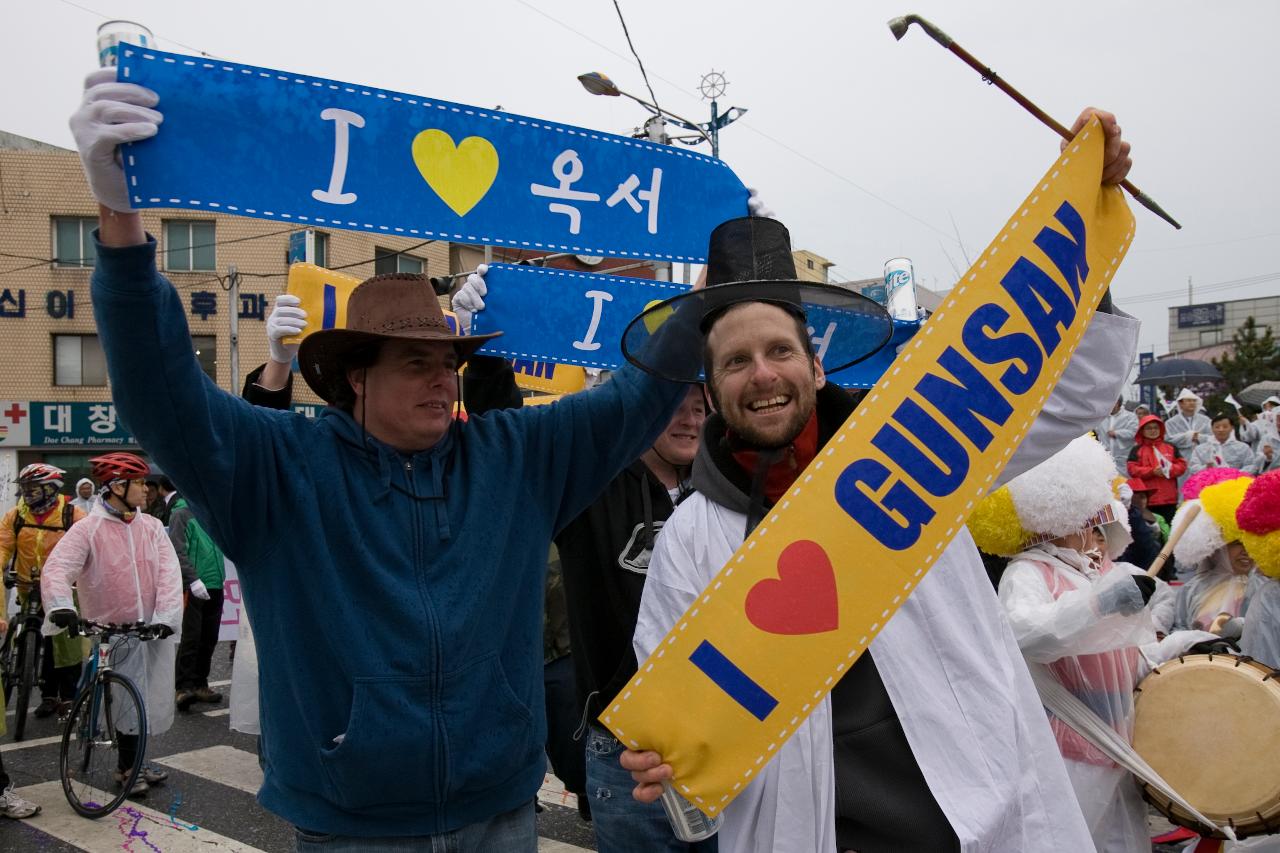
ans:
x=1207 y=327
x=55 y=398
x=811 y=266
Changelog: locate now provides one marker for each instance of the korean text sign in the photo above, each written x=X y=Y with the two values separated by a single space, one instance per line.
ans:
x=828 y=567
x=257 y=142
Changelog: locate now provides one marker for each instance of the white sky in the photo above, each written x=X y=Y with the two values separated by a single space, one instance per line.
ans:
x=865 y=147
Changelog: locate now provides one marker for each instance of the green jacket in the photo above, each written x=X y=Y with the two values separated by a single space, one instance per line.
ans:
x=197 y=555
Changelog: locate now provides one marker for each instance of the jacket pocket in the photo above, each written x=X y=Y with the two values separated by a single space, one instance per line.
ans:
x=389 y=752
x=490 y=732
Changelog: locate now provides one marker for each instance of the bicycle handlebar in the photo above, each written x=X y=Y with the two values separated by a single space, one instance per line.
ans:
x=140 y=630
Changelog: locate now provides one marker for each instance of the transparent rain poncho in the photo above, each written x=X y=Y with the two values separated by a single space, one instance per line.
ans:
x=123 y=573
x=1086 y=622
x=1261 y=637
x=1213 y=589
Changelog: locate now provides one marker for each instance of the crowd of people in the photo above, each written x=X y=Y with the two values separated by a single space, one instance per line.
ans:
x=435 y=535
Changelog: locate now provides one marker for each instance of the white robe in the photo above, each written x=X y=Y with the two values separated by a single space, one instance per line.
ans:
x=948 y=660
x=1233 y=453
x=1125 y=426
x=1261 y=638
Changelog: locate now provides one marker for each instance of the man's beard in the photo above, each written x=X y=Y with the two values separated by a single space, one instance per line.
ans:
x=746 y=431
x=770 y=442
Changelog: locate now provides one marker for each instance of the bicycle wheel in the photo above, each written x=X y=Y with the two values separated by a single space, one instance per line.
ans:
x=90 y=758
x=28 y=666
x=8 y=662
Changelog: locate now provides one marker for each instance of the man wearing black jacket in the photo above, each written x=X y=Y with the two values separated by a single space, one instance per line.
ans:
x=605 y=554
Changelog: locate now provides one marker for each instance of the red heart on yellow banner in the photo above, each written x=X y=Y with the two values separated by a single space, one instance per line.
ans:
x=802 y=600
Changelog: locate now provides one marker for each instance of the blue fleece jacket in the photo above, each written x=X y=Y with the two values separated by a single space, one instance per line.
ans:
x=396 y=600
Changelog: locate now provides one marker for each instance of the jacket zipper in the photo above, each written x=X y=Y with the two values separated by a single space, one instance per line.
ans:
x=440 y=737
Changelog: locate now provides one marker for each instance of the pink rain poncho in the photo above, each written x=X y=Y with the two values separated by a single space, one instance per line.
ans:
x=123 y=573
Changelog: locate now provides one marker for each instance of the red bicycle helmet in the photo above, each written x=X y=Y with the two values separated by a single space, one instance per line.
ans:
x=39 y=472
x=118 y=466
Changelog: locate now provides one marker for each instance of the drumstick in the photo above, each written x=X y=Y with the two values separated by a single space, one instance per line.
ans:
x=1174 y=536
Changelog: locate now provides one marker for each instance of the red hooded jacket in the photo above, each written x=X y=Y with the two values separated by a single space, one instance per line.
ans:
x=1145 y=465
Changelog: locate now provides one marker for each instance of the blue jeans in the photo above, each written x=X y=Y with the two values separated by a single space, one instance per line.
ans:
x=514 y=831
x=622 y=823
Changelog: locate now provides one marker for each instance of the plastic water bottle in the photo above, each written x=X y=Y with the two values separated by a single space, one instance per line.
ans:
x=687 y=820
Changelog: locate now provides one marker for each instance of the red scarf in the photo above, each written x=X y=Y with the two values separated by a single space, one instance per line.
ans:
x=795 y=458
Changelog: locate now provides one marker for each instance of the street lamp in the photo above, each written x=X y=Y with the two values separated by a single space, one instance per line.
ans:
x=599 y=84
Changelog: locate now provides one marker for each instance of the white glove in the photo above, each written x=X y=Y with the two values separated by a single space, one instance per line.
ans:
x=756 y=207
x=470 y=298
x=110 y=114
x=199 y=590
x=284 y=320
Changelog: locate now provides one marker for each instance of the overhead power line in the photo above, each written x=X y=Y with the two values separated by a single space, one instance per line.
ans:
x=640 y=63
x=1216 y=287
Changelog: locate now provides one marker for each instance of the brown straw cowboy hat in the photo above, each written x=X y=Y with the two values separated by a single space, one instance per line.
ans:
x=397 y=306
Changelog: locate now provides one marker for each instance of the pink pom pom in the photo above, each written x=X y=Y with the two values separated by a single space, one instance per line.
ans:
x=1259 y=513
x=1208 y=477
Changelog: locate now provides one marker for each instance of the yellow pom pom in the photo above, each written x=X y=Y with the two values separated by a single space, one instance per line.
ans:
x=1221 y=500
x=1115 y=486
x=994 y=524
x=1265 y=551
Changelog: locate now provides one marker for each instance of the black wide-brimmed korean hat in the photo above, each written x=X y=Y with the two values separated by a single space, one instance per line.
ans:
x=749 y=260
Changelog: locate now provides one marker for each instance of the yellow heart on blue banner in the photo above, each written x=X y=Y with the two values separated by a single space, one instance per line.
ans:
x=460 y=174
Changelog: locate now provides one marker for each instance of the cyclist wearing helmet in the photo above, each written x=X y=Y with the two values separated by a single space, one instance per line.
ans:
x=28 y=533
x=125 y=570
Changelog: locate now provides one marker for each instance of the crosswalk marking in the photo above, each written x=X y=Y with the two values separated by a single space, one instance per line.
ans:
x=553 y=793
x=547 y=845
x=27 y=744
x=213 y=684
x=131 y=823
x=218 y=712
x=223 y=764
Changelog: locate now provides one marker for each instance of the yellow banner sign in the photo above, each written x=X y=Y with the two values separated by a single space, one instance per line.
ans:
x=324 y=294
x=822 y=574
x=549 y=377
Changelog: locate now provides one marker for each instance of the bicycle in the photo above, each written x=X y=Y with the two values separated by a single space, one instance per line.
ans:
x=22 y=650
x=107 y=722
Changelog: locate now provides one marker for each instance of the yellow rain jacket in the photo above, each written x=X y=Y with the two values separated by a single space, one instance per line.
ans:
x=33 y=543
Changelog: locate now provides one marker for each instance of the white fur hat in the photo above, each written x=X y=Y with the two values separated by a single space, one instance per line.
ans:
x=1273 y=399
x=1187 y=394
x=1061 y=494
x=1199 y=540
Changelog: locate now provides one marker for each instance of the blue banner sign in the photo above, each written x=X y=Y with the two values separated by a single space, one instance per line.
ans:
x=271 y=144
x=1148 y=393
x=578 y=318
x=565 y=317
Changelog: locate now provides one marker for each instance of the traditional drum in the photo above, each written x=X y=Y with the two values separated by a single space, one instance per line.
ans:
x=1210 y=726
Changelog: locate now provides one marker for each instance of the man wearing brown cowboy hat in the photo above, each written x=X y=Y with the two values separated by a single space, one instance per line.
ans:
x=936 y=739
x=417 y=714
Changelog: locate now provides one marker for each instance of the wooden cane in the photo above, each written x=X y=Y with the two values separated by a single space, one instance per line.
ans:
x=1174 y=536
x=899 y=28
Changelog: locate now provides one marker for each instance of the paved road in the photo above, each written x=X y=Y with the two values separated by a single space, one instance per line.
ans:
x=208 y=802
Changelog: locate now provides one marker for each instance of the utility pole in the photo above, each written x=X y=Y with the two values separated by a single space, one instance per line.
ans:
x=234 y=279
x=1190 y=298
